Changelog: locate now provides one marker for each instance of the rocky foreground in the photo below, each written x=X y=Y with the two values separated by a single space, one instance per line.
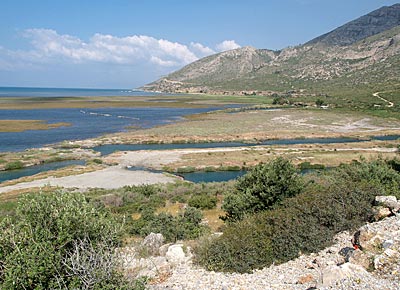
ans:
x=366 y=259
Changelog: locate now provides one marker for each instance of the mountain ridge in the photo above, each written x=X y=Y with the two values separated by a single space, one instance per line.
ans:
x=338 y=59
x=373 y=23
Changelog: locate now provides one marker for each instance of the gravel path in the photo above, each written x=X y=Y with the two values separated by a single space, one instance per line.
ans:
x=390 y=104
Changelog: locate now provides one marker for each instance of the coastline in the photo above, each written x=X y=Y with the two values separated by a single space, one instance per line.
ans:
x=247 y=126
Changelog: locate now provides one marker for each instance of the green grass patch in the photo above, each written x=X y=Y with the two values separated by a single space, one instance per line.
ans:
x=14 y=165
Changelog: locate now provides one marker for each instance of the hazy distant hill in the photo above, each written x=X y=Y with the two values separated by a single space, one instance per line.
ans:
x=363 y=52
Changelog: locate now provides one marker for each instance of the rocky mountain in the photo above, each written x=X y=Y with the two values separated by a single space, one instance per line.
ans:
x=362 y=53
x=373 y=23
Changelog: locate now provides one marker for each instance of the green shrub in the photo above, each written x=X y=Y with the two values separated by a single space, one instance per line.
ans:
x=59 y=240
x=14 y=165
x=186 y=225
x=376 y=172
x=97 y=161
x=203 y=201
x=307 y=165
x=133 y=199
x=394 y=163
x=263 y=187
x=340 y=199
x=145 y=189
x=187 y=169
x=55 y=159
x=242 y=247
x=230 y=168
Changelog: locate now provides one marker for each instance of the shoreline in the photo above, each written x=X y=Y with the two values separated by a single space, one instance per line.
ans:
x=109 y=178
x=247 y=126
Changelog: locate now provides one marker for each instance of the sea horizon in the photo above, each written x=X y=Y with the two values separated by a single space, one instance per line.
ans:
x=10 y=91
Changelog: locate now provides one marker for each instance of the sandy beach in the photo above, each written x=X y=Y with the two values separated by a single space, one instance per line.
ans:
x=109 y=178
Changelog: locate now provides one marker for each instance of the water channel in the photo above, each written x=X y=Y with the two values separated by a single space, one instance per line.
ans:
x=213 y=176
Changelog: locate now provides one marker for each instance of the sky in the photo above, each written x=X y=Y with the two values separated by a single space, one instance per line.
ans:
x=128 y=43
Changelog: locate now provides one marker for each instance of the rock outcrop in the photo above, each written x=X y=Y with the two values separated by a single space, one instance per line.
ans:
x=367 y=259
x=373 y=23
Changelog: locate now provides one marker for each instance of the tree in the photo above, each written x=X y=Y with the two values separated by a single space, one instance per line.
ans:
x=263 y=187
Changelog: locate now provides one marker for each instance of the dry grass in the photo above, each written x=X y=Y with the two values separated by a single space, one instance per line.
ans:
x=44 y=155
x=14 y=194
x=211 y=216
x=266 y=124
x=24 y=125
x=172 y=208
x=328 y=155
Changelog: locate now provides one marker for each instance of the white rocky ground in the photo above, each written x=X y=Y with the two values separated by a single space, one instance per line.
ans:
x=376 y=266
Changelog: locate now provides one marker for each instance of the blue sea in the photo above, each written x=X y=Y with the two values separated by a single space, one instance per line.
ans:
x=85 y=122
x=69 y=92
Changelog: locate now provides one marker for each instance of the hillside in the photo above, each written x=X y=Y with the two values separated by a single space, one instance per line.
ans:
x=373 y=23
x=362 y=54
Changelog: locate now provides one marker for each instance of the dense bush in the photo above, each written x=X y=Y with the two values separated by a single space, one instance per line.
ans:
x=340 y=199
x=394 y=163
x=14 y=165
x=263 y=187
x=131 y=199
x=203 y=201
x=242 y=247
x=59 y=240
x=378 y=172
x=186 y=225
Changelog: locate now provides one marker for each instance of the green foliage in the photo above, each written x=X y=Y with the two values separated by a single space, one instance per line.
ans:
x=338 y=200
x=307 y=165
x=394 y=163
x=55 y=159
x=39 y=244
x=308 y=222
x=280 y=101
x=377 y=172
x=97 y=161
x=319 y=102
x=241 y=248
x=132 y=199
x=187 y=169
x=184 y=226
x=203 y=201
x=263 y=187
x=14 y=165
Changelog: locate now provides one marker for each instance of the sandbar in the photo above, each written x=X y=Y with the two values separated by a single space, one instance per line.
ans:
x=108 y=178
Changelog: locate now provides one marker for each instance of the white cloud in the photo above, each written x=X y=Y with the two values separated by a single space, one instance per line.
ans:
x=108 y=48
x=200 y=49
x=160 y=62
x=48 y=46
x=227 y=45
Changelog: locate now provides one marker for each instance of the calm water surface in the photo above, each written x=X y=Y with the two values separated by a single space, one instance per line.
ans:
x=69 y=92
x=85 y=123
x=28 y=171
x=108 y=149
